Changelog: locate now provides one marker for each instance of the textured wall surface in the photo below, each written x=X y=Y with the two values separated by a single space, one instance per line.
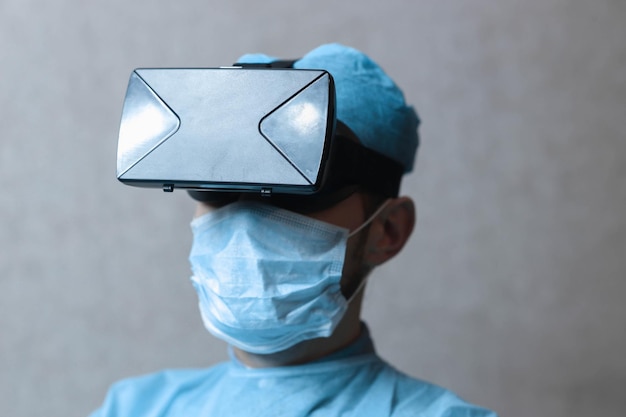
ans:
x=511 y=290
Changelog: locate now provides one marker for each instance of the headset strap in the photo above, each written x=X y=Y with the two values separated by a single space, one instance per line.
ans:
x=283 y=63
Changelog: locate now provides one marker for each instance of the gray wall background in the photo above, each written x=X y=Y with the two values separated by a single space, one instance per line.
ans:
x=511 y=290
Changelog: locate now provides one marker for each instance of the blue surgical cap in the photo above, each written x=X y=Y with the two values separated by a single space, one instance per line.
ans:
x=368 y=101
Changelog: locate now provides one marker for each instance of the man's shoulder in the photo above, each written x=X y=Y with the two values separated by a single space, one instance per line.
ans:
x=416 y=397
x=130 y=396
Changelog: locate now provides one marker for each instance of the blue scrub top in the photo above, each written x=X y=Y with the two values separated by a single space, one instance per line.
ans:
x=352 y=382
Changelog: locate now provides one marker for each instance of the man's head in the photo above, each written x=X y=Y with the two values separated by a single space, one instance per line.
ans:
x=371 y=113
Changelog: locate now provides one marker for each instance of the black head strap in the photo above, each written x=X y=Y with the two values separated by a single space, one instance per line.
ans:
x=283 y=63
x=354 y=164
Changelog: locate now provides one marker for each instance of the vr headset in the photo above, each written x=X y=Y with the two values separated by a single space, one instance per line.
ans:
x=266 y=129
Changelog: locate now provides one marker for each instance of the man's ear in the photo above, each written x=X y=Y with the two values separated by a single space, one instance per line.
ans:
x=390 y=231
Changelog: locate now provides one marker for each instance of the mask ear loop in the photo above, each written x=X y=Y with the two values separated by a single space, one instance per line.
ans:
x=369 y=219
x=359 y=288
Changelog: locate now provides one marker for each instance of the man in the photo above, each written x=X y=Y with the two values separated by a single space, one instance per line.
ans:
x=281 y=279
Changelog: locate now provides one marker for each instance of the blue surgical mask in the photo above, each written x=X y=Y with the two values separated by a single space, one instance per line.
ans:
x=267 y=278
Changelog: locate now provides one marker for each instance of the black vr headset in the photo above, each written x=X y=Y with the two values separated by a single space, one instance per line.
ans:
x=267 y=129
